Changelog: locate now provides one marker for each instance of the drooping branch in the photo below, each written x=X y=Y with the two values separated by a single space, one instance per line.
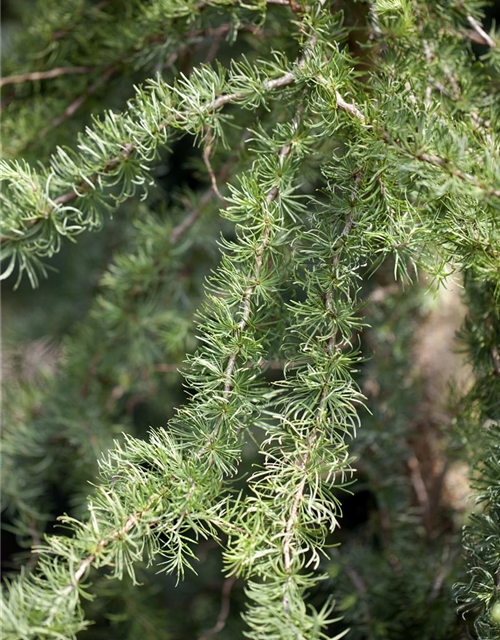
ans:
x=313 y=435
x=203 y=477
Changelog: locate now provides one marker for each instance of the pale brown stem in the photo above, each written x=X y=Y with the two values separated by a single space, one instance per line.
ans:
x=419 y=484
x=428 y=60
x=350 y=107
x=356 y=579
x=375 y=22
x=76 y=104
x=487 y=39
x=189 y=220
x=43 y=75
x=181 y=228
x=495 y=356
x=224 y=609
x=206 y=159
x=294 y=512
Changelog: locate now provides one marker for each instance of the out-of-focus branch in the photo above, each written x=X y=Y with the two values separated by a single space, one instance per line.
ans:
x=481 y=36
x=33 y=76
x=224 y=609
x=76 y=104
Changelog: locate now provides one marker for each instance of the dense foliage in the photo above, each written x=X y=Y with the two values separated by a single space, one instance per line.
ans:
x=283 y=191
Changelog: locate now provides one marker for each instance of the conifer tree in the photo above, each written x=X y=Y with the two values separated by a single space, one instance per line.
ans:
x=230 y=218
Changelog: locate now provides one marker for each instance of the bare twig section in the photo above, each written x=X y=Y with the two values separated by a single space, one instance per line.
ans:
x=419 y=484
x=207 y=152
x=350 y=107
x=495 y=356
x=188 y=498
x=486 y=38
x=222 y=176
x=189 y=220
x=441 y=574
x=296 y=7
x=76 y=104
x=375 y=23
x=361 y=588
x=294 y=512
x=428 y=59
x=224 y=609
x=43 y=75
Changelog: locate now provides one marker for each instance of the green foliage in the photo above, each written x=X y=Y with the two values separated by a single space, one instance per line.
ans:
x=480 y=406
x=356 y=145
